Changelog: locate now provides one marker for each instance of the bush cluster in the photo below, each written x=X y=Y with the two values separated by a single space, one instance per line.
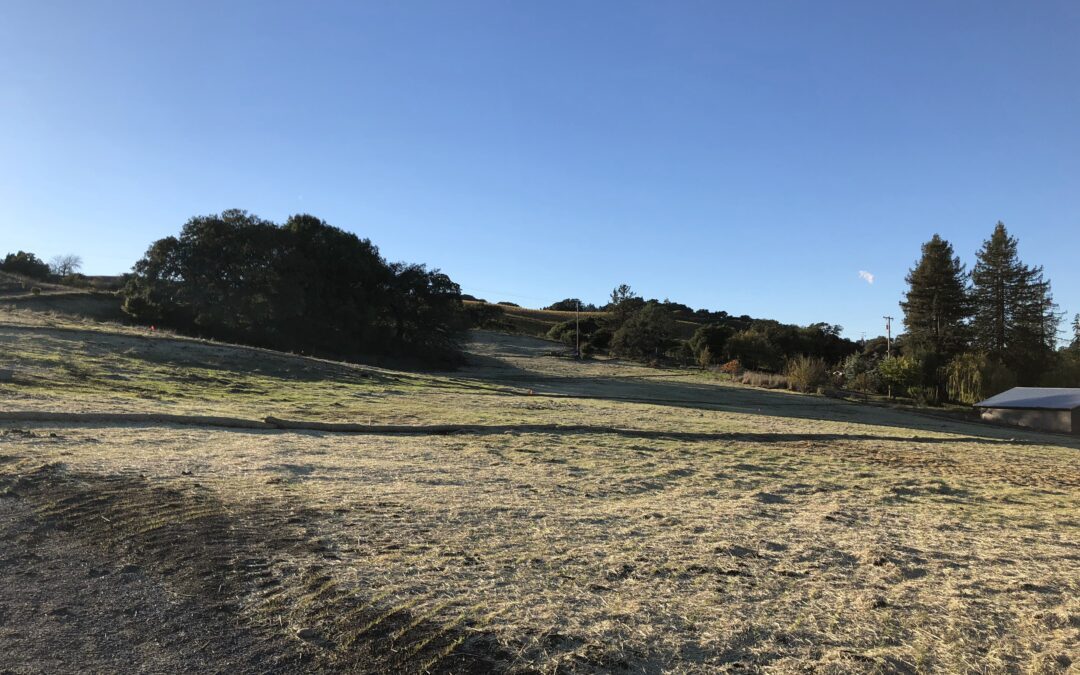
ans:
x=757 y=378
x=302 y=286
x=807 y=373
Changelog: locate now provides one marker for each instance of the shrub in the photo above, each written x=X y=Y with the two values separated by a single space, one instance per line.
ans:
x=925 y=394
x=711 y=337
x=486 y=316
x=35 y=290
x=732 y=367
x=680 y=352
x=806 y=373
x=971 y=378
x=963 y=378
x=753 y=350
x=899 y=372
x=705 y=357
x=566 y=331
x=757 y=378
x=868 y=382
x=601 y=339
x=858 y=364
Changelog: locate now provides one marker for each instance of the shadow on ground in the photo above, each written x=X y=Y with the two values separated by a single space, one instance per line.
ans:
x=500 y=358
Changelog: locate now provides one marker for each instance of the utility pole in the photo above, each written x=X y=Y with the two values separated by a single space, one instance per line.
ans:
x=577 y=330
x=888 y=344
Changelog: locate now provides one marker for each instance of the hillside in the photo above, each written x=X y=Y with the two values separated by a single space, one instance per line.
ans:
x=16 y=286
x=586 y=517
x=18 y=292
x=537 y=322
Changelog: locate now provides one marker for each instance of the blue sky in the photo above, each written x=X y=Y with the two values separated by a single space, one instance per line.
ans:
x=751 y=157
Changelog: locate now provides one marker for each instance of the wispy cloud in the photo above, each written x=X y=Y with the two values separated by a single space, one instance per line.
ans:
x=868 y=277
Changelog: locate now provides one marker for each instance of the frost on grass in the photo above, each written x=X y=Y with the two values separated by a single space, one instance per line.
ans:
x=698 y=527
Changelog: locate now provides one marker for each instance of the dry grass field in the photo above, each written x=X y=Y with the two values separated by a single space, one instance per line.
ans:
x=602 y=517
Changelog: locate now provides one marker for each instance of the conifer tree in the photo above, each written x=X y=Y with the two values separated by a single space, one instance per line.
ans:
x=937 y=304
x=1015 y=320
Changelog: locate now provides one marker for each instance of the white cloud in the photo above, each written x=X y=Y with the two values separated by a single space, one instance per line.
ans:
x=868 y=277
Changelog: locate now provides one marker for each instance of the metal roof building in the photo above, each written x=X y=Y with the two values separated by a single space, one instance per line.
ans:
x=1044 y=408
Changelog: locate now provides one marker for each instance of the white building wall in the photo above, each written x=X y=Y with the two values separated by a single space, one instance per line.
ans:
x=1060 y=421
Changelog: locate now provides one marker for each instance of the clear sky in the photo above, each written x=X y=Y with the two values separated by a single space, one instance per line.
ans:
x=752 y=157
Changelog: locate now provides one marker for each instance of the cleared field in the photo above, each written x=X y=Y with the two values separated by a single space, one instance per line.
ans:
x=682 y=525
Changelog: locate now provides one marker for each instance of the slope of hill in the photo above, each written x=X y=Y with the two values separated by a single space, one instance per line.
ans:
x=20 y=292
x=595 y=517
x=537 y=322
x=16 y=285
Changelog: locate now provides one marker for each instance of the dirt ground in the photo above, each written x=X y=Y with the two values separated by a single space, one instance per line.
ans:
x=685 y=525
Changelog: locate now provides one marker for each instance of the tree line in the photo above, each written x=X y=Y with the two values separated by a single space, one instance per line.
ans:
x=973 y=334
x=27 y=264
x=302 y=286
x=647 y=330
x=968 y=335
x=307 y=286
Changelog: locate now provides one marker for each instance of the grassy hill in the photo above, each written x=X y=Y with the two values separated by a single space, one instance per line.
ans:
x=537 y=322
x=595 y=517
x=18 y=292
x=16 y=285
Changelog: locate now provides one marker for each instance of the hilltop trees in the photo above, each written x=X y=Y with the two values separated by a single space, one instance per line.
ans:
x=1014 y=313
x=937 y=304
x=303 y=286
x=26 y=264
x=624 y=304
x=650 y=329
x=570 y=305
x=65 y=265
x=61 y=268
x=622 y=293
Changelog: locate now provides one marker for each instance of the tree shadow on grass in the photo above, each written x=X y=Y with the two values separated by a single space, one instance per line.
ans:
x=745 y=400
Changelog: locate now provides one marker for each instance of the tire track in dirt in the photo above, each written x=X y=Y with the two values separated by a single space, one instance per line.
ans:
x=261 y=566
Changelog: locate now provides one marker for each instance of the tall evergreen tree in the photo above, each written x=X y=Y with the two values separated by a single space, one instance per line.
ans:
x=937 y=304
x=1015 y=319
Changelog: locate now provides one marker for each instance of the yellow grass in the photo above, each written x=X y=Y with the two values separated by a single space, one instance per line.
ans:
x=700 y=527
